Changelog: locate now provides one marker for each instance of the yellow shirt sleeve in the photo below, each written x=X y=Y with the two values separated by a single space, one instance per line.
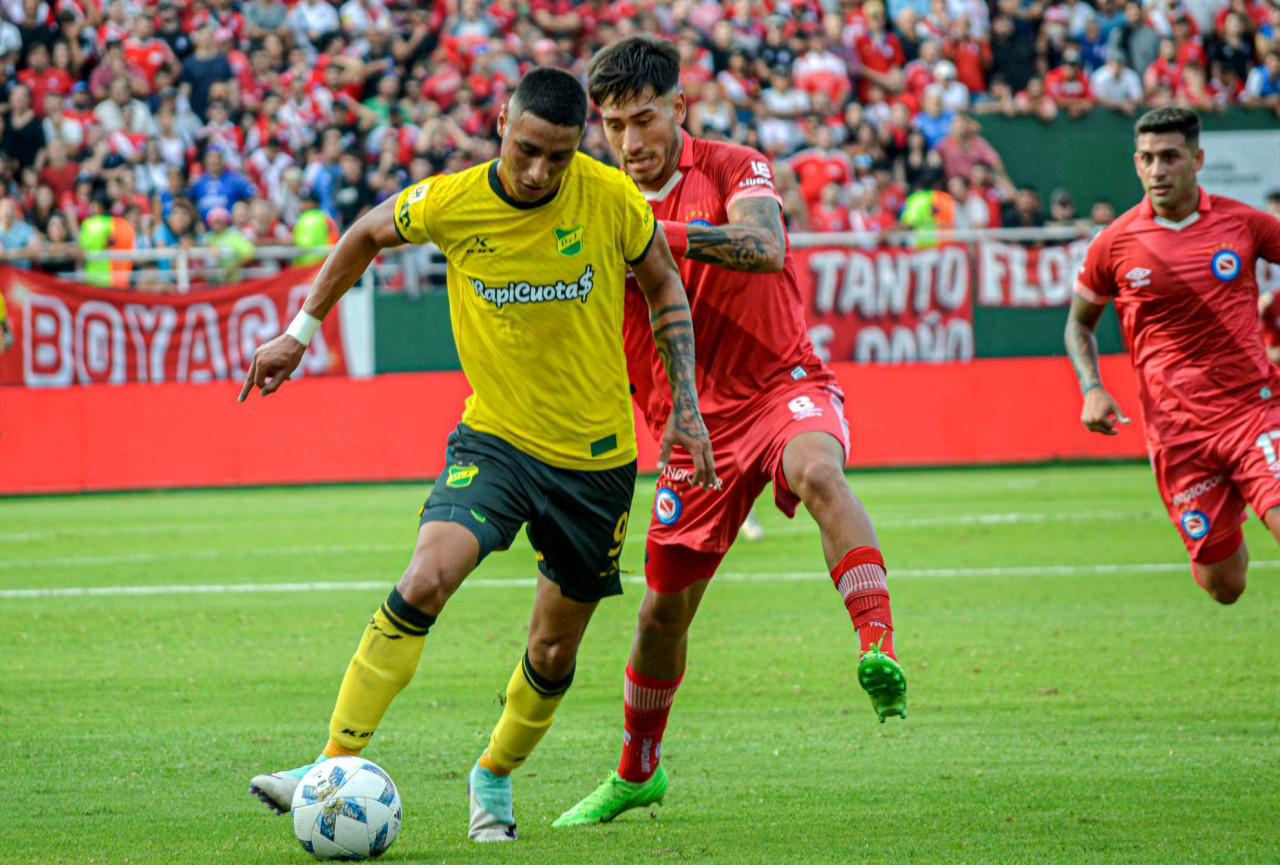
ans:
x=637 y=224
x=4 y=312
x=414 y=210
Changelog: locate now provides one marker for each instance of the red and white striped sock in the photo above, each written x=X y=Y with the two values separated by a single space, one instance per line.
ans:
x=646 y=705
x=863 y=584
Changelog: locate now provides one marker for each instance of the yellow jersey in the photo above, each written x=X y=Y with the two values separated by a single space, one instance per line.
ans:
x=536 y=302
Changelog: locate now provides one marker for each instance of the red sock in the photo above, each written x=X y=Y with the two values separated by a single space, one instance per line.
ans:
x=860 y=577
x=646 y=704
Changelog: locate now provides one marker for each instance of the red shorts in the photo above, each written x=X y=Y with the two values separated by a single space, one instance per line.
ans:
x=748 y=455
x=1207 y=484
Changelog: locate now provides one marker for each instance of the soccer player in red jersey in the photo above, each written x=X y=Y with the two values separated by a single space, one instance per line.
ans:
x=1179 y=267
x=773 y=409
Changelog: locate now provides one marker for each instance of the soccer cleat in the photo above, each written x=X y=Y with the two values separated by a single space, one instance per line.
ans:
x=884 y=681
x=492 y=818
x=276 y=789
x=613 y=797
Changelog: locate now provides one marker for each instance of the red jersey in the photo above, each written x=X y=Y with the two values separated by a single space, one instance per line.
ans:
x=1188 y=305
x=749 y=328
x=1058 y=85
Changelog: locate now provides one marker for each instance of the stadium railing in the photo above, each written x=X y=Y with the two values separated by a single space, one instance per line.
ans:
x=412 y=270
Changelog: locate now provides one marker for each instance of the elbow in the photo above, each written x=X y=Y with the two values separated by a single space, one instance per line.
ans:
x=775 y=259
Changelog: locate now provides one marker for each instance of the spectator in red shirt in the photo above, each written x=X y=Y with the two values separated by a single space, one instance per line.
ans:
x=971 y=56
x=42 y=79
x=879 y=51
x=828 y=213
x=1165 y=70
x=819 y=165
x=1068 y=86
x=963 y=148
x=147 y=51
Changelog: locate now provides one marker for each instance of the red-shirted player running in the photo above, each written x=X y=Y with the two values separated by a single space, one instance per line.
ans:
x=773 y=409
x=1179 y=266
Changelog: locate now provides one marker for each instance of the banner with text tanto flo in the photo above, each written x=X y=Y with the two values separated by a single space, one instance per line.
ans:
x=885 y=305
x=67 y=333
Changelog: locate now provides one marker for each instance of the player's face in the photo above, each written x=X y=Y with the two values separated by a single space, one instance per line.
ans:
x=1167 y=168
x=644 y=134
x=535 y=154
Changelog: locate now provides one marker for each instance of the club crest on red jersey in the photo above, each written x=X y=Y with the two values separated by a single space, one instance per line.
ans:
x=1195 y=524
x=667 y=506
x=1225 y=264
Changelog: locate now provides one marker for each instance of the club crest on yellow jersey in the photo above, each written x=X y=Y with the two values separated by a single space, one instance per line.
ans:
x=568 y=240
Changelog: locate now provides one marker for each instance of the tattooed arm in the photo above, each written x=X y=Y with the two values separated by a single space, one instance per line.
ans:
x=1100 y=412
x=672 y=324
x=753 y=241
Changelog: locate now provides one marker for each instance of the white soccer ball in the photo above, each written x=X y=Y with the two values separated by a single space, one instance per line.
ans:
x=346 y=808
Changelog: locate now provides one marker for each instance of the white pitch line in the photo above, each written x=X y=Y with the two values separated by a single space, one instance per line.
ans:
x=803 y=527
x=633 y=580
x=884 y=522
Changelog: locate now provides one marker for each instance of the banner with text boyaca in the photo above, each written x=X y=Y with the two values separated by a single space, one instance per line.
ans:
x=67 y=333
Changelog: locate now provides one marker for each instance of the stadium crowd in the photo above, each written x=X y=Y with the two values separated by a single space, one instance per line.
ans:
x=219 y=123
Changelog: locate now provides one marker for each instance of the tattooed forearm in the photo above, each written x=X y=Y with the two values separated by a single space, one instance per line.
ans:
x=1082 y=347
x=673 y=337
x=753 y=241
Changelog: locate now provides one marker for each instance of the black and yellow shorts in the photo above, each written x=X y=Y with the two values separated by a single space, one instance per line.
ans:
x=576 y=519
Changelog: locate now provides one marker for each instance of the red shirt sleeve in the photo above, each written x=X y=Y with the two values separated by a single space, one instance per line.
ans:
x=746 y=174
x=1266 y=234
x=1096 y=280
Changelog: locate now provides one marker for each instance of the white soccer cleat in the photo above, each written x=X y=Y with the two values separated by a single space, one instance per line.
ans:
x=492 y=818
x=275 y=790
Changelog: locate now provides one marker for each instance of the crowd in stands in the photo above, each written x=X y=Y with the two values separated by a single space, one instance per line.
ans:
x=218 y=122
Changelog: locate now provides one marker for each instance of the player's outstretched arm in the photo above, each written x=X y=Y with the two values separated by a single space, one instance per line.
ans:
x=1100 y=412
x=672 y=323
x=359 y=245
x=753 y=241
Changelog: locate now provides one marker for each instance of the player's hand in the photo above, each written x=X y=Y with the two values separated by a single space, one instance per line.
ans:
x=6 y=336
x=685 y=428
x=1101 y=412
x=273 y=363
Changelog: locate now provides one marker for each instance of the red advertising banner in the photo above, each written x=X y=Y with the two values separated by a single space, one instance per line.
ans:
x=1011 y=274
x=888 y=305
x=1014 y=275
x=67 y=333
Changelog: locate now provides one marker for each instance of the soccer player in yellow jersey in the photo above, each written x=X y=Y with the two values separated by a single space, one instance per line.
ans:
x=538 y=244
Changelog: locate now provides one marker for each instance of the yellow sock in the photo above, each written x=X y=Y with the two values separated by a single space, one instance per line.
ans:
x=383 y=664
x=529 y=711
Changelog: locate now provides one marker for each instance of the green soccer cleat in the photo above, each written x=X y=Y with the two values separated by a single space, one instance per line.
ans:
x=613 y=797
x=884 y=681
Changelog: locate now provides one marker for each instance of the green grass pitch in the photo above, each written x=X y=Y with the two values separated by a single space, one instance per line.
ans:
x=1074 y=696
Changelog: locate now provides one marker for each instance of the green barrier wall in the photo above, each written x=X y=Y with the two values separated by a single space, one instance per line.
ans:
x=413 y=334
x=1091 y=157
x=1034 y=332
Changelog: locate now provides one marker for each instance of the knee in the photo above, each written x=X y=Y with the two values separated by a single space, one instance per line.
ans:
x=1226 y=591
x=427 y=586
x=553 y=656
x=1224 y=585
x=662 y=621
x=819 y=481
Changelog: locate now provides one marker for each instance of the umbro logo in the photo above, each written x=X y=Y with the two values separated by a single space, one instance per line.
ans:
x=1138 y=277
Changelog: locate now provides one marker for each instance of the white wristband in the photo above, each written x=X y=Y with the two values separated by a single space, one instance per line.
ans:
x=303 y=327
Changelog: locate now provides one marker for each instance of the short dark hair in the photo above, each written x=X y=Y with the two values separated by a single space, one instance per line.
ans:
x=1170 y=119
x=632 y=68
x=1274 y=195
x=552 y=94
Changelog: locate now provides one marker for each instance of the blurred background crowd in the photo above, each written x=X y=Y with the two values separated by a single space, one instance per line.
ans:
x=152 y=124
